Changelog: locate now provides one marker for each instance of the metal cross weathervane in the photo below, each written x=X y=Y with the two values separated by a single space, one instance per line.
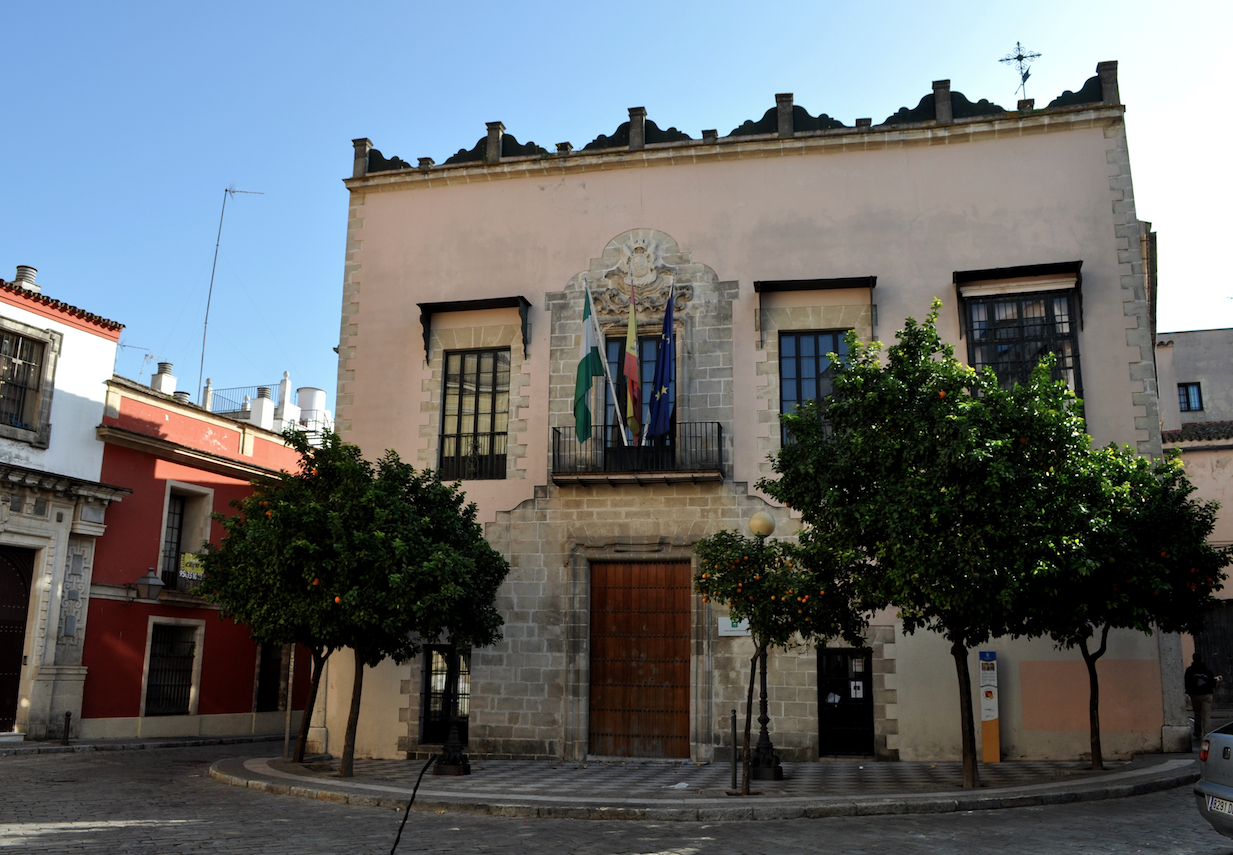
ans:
x=1022 y=58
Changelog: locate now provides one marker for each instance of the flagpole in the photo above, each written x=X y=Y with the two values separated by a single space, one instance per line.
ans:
x=603 y=358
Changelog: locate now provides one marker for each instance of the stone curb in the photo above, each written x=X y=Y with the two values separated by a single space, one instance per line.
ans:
x=824 y=807
x=19 y=748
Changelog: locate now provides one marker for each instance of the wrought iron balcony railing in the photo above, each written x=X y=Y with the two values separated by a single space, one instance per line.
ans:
x=183 y=576
x=692 y=452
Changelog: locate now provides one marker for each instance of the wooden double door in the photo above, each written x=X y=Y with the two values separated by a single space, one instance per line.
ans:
x=639 y=692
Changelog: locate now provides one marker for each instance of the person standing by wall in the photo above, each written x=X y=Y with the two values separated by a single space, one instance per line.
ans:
x=1200 y=683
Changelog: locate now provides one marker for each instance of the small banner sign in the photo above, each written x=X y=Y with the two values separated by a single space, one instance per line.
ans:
x=190 y=566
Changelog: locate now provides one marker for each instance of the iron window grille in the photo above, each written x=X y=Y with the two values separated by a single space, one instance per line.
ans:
x=21 y=369
x=173 y=536
x=1189 y=397
x=1011 y=333
x=475 y=415
x=169 y=683
x=436 y=721
x=806 y=371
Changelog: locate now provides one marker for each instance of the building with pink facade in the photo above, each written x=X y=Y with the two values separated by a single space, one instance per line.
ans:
x=463 y=316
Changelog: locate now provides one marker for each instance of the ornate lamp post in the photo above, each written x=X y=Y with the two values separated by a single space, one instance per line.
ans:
x=764 y=765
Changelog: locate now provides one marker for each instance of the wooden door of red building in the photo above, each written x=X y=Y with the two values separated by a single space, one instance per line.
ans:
x=640 y=659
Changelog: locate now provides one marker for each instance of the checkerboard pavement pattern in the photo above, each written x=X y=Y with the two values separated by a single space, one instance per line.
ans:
x=616 y=779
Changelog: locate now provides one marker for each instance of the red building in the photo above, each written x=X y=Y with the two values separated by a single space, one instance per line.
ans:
x=168 y=664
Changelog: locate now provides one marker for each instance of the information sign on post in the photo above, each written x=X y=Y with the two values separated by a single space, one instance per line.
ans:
x=990 y=734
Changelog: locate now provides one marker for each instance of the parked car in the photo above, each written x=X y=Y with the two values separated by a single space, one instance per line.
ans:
x=1214 y=791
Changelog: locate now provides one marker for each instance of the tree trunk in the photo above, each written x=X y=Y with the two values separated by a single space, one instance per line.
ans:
x=747 y=754
x=346 y=765
x=1093 y=704
x=301 y=741
x=971 y=772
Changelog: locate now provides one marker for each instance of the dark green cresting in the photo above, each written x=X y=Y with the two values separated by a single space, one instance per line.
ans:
x=510 y=147
x=651 y=134
x=924 y=111
x=1089 y=94
x=377 y=163
x=475 y=155
x=801 y=121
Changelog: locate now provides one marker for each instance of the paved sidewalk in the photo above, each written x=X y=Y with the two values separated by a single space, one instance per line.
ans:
x=162 y=802
x=656 y=790
x=79 y=746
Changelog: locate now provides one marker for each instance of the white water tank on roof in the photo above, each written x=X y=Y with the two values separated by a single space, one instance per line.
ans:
x=310 y=400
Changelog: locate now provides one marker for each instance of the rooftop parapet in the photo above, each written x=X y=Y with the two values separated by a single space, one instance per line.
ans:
x=785 y=120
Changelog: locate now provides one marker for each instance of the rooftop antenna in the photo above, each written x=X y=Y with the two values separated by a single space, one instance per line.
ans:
x=121 y=345
x=1022 y=58
x=230 y=191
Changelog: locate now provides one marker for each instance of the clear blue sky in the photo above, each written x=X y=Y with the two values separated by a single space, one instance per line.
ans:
x=125 y=122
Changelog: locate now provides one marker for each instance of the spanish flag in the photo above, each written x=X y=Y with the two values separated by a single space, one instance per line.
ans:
x=633 y=382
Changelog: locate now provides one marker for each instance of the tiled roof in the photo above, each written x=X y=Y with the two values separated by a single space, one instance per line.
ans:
x=1199 y=432
x=63 y=307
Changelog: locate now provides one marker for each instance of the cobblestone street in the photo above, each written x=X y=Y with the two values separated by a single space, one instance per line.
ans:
x=164 y=802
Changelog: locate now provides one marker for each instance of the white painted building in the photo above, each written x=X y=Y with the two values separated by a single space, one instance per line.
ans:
x=55 y=360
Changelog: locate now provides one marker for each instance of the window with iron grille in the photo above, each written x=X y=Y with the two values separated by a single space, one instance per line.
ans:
x=169 y=680
x=805 y=370
x=21 y=372
x=475 y=415
x=173 y=536
x=1011 y=333
x=28 y=358
x=1189 y=397
x=436 y=719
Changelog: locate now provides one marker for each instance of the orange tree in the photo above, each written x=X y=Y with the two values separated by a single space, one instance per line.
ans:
x=783 y=593
x=283 y=557
x=1141 y=561
x=377 y=557
x=942 y=486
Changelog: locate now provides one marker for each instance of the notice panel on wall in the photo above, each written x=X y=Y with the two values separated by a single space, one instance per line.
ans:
x=733 y=628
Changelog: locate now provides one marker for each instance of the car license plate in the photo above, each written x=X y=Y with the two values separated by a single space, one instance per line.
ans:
x=1219 y=805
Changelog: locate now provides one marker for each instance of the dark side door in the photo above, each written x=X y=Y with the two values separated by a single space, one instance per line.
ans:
x=845 y=702
x=16 y=572
x=1215 y=645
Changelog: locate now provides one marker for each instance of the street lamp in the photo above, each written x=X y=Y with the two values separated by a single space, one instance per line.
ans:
x=764 y=765
x=762 y=524
x=148 y=587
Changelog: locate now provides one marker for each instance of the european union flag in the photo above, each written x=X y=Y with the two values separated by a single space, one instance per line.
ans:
x=665 y=371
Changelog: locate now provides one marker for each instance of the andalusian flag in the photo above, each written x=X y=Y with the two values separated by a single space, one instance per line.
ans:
x=633 y=382
x=590 y=364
